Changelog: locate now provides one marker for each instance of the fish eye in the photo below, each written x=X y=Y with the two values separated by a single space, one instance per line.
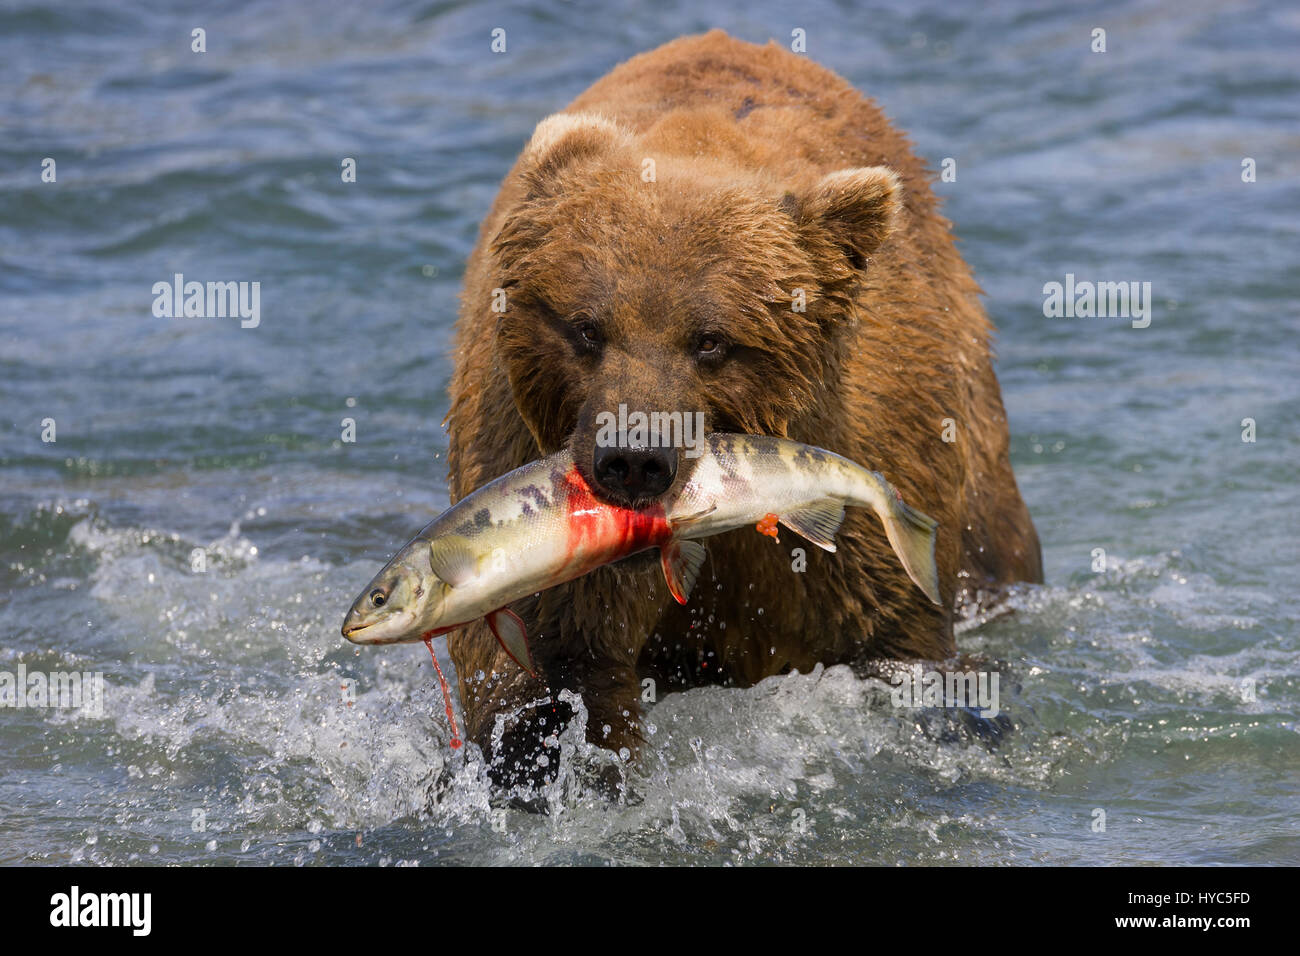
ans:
x=378 y=597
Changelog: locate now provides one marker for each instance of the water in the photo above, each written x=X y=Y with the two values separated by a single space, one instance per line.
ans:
x=227 y=735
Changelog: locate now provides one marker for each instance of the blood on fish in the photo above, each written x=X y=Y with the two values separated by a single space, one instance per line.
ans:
x=767 y=526
x=598 y=533
x=446 y=694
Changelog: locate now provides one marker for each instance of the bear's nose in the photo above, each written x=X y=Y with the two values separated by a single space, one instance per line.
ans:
x=631 y=474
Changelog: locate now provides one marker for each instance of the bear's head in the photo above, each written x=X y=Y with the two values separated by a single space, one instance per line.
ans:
x=676 y=287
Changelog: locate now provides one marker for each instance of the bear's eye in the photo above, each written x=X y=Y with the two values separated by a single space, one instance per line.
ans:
x=710 y=346
x=588 y=333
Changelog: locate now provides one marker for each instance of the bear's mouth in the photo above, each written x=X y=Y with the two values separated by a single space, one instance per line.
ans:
x=636 y=502
x=614 y=492
x=595 y=463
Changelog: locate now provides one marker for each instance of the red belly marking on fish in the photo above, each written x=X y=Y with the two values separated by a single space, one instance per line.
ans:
x=599 y=533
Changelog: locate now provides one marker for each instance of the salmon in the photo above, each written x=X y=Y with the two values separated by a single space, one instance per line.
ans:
x=542 y=525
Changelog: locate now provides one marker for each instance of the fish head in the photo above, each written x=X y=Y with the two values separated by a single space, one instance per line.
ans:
x=404 y=602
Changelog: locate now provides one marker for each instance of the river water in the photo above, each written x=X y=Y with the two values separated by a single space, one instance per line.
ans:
x=1154 y=690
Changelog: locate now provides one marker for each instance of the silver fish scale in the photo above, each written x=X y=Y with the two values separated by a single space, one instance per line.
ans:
x=514 y=497
x=745 y=477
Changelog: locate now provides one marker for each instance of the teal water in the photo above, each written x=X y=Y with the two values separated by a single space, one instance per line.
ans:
x=225 y=699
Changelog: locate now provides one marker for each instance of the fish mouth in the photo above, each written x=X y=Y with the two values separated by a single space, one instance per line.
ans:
x=351 y=632
x=391 y=631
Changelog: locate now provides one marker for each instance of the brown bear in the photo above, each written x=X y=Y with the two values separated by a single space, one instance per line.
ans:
x=730 y=229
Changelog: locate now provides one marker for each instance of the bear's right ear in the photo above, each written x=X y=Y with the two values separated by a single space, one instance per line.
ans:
x=561 y=140
x=856 y=208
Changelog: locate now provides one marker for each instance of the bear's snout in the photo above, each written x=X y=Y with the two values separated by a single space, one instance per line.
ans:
x=640 y=427
x=630 y=474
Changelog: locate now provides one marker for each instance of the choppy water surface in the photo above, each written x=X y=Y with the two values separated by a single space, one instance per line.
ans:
x=225 y=688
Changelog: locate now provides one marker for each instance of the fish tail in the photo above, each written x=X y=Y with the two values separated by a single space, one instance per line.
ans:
x=912 y=534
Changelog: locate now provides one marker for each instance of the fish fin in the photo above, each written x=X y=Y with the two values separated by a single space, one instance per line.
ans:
x=452 y=559
x=508 y=628
x=690 y=519
x=912 y=535
x=818 y=522
x=681 y=562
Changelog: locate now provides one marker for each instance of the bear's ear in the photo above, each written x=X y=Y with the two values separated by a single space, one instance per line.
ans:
x=561 y=140
x=857 y=208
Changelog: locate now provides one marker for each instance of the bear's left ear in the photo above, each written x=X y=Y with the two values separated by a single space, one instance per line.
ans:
x=857 y=208
x=560 y=141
